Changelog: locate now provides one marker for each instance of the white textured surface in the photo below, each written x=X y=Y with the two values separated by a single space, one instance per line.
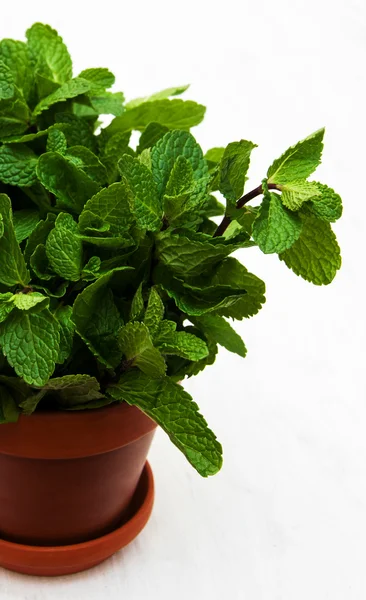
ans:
x=286 y=518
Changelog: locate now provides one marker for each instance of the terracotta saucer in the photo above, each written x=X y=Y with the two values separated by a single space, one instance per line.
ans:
x=64 y=560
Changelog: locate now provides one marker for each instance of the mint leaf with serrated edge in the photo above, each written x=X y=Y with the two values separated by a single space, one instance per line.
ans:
x=191 y=256
x=64 y=248
x=167 y=93
x=316 y=255
x=111 y=206
x=17 y=58
x=17 y=165
x=136 y=344
x=174 y=410
x=299 y=161
x=326 y=204
x=295 y=193
x=98 y=321
x=71 y=186
x=178 y=114
x=145 y=205
x=137 y=305
x=86 y=160
x=166 y=151
x=154 y=313
x=234 y=165
x=275 y=229
x=180 y=343
x=63 y=315
x=13 y=269
x=56 y=141
x=49 y=52
x=30 y=341
x=25 y=221
x=221 y=332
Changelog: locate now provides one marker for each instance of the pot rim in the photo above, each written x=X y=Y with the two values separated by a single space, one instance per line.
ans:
x=74 y=434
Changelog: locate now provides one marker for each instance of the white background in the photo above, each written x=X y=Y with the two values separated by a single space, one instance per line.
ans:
x=286 y=517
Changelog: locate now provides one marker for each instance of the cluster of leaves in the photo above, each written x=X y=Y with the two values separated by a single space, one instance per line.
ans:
x=114 y=286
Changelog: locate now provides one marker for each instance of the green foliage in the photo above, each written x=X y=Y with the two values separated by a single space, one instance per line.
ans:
x=276 y=228
x=115 y=284
x=174 y=410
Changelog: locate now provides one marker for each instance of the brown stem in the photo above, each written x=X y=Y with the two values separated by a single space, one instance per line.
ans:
x=240 y=203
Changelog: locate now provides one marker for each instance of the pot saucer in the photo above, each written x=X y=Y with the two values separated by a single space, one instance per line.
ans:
x=64 y=560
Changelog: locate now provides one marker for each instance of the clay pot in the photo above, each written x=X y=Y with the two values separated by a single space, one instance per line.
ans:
x=70 y=480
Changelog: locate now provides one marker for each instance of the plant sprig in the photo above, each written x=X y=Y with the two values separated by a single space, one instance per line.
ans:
x=115 y=281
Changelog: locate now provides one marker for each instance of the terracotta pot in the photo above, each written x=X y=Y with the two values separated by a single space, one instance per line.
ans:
x=69 y=478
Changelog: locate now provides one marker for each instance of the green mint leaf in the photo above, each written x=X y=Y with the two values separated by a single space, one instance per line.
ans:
x=167 y=93
x=78 y=131
x=6 y=305
x=9 y=410
x=108 y=103
x=298 y=162
x=193 y=255
x=166 y=151
x=145 y=158
x=112 y=149
x=154 y=313
x=150 y=135
x=136 y=344
x=70 y=89
x=56 y=141
x=26 y=137
x=63 y=315
x=32 y=302
x=17 y=165
x=145 y=205
x=30 y=341
x=111 y=207
x=181 y=178
x=174 y=114
x=53 y=59
x=74 y=390
x=86 y=160
x=174 y=410
x=101 y=78
x=295 y=193
x=221 y=332
x=71 y=186
x=64 y=248
x=180 y=343
x=137 y=305
x=276 y=228
x=98 y=321
x=13 y=269
x=234 y=166
x=200 y=298
x=14 y=112
x=316 y=254
x=16 y=57
x=25 y=221
x=327 y=204
x=7 y=85
x=232 y=273
x=214 y=156
x=40 y=264
x=91 y=270
x=39 y=235
x=184 y=196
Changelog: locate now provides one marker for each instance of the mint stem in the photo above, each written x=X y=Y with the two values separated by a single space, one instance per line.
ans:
x=240 y=203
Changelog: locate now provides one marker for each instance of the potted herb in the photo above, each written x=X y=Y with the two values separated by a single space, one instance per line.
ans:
x=116 y=284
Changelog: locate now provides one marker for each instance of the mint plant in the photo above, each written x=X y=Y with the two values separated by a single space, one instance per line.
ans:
x=116 y=282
